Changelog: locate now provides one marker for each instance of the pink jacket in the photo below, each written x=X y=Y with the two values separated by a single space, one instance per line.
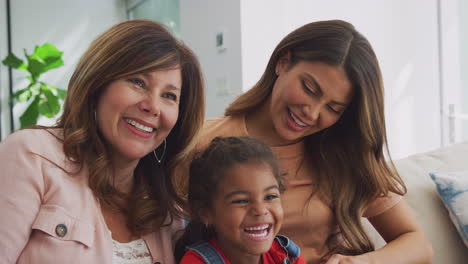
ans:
x=48 y=215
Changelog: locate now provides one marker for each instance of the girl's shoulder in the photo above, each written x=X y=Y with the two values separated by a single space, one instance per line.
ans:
x=191 y=257
x=282 y=249
x=205 y=252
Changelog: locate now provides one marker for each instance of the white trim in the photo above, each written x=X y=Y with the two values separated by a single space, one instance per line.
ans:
x=450 y=74
x=4 y=79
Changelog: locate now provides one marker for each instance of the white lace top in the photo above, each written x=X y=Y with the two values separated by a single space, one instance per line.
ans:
x=133 y=252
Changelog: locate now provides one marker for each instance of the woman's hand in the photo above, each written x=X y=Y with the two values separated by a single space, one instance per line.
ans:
x=342 y=259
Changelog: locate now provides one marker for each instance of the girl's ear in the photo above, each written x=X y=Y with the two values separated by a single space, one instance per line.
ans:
x=283 y=63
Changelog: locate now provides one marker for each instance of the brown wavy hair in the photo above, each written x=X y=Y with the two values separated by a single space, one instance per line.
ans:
x=132 y=47
x=350 y=155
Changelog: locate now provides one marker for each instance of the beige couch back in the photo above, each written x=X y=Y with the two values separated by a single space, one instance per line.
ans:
x=427 y=206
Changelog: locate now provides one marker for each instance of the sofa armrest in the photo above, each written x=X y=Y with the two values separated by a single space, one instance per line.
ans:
x=422 y=197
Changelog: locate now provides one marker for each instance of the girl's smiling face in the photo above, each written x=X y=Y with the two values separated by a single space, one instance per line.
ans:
x=246 y=211
x=135 y=114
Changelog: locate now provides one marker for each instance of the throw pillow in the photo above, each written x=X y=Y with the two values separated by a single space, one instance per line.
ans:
x=453 y=191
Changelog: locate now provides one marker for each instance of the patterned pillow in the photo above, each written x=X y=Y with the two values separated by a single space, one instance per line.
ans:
x=453 y=190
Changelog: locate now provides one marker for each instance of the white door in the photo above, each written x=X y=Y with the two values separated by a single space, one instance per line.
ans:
x=454 y=70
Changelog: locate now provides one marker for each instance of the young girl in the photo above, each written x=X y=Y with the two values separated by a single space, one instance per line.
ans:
x=235 y=207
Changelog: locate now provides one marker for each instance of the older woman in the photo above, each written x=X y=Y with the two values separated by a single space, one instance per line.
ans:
x=96 y=187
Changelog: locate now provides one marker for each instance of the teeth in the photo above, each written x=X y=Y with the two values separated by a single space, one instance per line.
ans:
x=262 y=234
x=139 y=126
x=257 y=228
x=296 y=120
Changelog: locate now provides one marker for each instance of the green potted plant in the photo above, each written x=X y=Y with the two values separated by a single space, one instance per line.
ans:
x=45 y=99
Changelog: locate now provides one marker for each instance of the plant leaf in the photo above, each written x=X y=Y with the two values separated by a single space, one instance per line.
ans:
x=60 y=93
x=30 y=116
x=22 y=95
x=52 y=64
x=49 y=104
x=47 y=51
x=45 y=98
x=49 y=86
x=35 y=89
x=49 y=55
x=35 y=67
x=12 y=61
x=25 y=94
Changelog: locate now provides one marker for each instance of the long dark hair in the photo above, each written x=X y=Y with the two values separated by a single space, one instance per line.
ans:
x=350 y=155
x=207 y=170
x=131 y=47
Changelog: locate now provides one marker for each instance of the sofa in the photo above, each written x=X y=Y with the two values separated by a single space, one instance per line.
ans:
x=428 y=207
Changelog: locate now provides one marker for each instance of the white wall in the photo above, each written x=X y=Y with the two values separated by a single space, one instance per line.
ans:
x=200 y=21
x=463 y=99
x=70 y=25
x=264 y=23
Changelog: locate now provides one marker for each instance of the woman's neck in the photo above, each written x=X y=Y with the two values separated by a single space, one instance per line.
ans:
x=259 y=124
x=123 y=173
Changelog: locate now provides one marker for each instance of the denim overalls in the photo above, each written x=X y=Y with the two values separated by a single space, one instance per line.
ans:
x=211 y=256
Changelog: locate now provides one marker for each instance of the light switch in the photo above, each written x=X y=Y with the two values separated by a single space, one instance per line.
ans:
x=220 y=40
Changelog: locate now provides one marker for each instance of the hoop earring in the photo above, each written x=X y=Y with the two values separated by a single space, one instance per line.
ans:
x=162 y=156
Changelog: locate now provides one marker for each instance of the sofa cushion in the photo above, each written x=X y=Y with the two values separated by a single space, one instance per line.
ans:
x=453 y=190
x=423 y=198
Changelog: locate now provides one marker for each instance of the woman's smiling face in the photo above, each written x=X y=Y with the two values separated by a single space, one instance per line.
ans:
x=136 y=113
x=307 y=98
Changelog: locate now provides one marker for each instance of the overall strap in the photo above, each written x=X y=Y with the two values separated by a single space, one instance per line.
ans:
x=292 y=250
x=209 y=254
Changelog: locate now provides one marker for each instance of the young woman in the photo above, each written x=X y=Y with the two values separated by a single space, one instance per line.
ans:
x=319 y=105
x=235 y=207
x=96 y=187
